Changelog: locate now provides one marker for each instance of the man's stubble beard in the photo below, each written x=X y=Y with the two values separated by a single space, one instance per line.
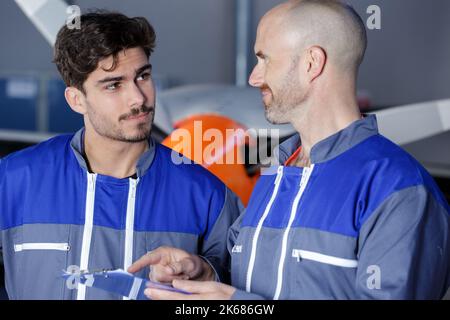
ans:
x=114 y=132
x=284 y=102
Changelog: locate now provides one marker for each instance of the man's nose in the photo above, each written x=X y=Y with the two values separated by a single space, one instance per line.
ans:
x=256 y=78
x=136 y=96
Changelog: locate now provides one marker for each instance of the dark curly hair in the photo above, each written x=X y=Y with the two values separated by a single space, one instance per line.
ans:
x=102 y=34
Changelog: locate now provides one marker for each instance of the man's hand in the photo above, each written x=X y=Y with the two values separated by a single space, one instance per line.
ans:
x=200 y=290
x=167 y=264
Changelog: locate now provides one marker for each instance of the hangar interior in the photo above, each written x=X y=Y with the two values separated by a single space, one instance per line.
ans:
x=203 y=56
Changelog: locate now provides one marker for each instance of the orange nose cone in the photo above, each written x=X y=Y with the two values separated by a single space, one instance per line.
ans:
x=216 y=142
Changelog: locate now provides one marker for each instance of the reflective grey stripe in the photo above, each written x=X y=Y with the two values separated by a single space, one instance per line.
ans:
x=258 y=229
x=129 y=229
x=87 y=231
x=137 y=282
x=303 y=183
x=41 y=246
x=323 y=258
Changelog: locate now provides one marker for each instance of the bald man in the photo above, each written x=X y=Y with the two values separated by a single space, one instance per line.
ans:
x=347 y=214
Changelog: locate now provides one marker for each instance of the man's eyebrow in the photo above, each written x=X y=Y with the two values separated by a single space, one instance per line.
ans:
x=120 y=78
x=110 y=79
x=143 y=68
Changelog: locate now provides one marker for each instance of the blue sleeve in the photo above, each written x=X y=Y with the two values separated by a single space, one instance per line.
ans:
x=214 y=248
x=233 y=232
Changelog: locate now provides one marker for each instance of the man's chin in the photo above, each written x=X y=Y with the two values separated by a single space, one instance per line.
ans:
x=137 y=139
x=273 y=119
x=140 y=136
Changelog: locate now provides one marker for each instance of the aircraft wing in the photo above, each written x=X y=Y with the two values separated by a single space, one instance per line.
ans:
x=47 y=15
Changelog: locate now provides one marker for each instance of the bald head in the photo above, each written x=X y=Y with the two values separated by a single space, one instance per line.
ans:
x=329 y=24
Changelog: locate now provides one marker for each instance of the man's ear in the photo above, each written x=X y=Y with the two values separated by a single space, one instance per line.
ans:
x=316 y=58
x=75 y=99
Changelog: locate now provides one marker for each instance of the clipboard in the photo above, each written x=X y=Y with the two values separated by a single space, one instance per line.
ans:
x=115 y=281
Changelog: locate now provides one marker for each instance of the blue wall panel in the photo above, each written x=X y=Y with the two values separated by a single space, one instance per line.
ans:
x=18 y=102
x=61 y=117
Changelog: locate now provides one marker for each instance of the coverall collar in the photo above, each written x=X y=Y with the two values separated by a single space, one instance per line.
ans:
x=144 y=162
x=333 y=145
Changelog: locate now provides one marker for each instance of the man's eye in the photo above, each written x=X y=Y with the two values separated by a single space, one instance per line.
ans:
x=113 y=86
x=144 y=76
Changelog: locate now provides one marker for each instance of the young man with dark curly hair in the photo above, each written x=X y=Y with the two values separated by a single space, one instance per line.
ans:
x=109 y=193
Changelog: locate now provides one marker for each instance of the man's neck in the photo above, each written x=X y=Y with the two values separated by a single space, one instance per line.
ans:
x=302 y=160
x=320 y=121
x=111 y=157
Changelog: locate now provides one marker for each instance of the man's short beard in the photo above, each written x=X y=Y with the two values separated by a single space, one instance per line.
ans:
x=287 y=99
x=144 y=128
x=117 y=134
x=143 y=136
x=281 y=109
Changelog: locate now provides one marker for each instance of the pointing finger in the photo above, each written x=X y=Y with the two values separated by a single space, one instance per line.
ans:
x=149 y=259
